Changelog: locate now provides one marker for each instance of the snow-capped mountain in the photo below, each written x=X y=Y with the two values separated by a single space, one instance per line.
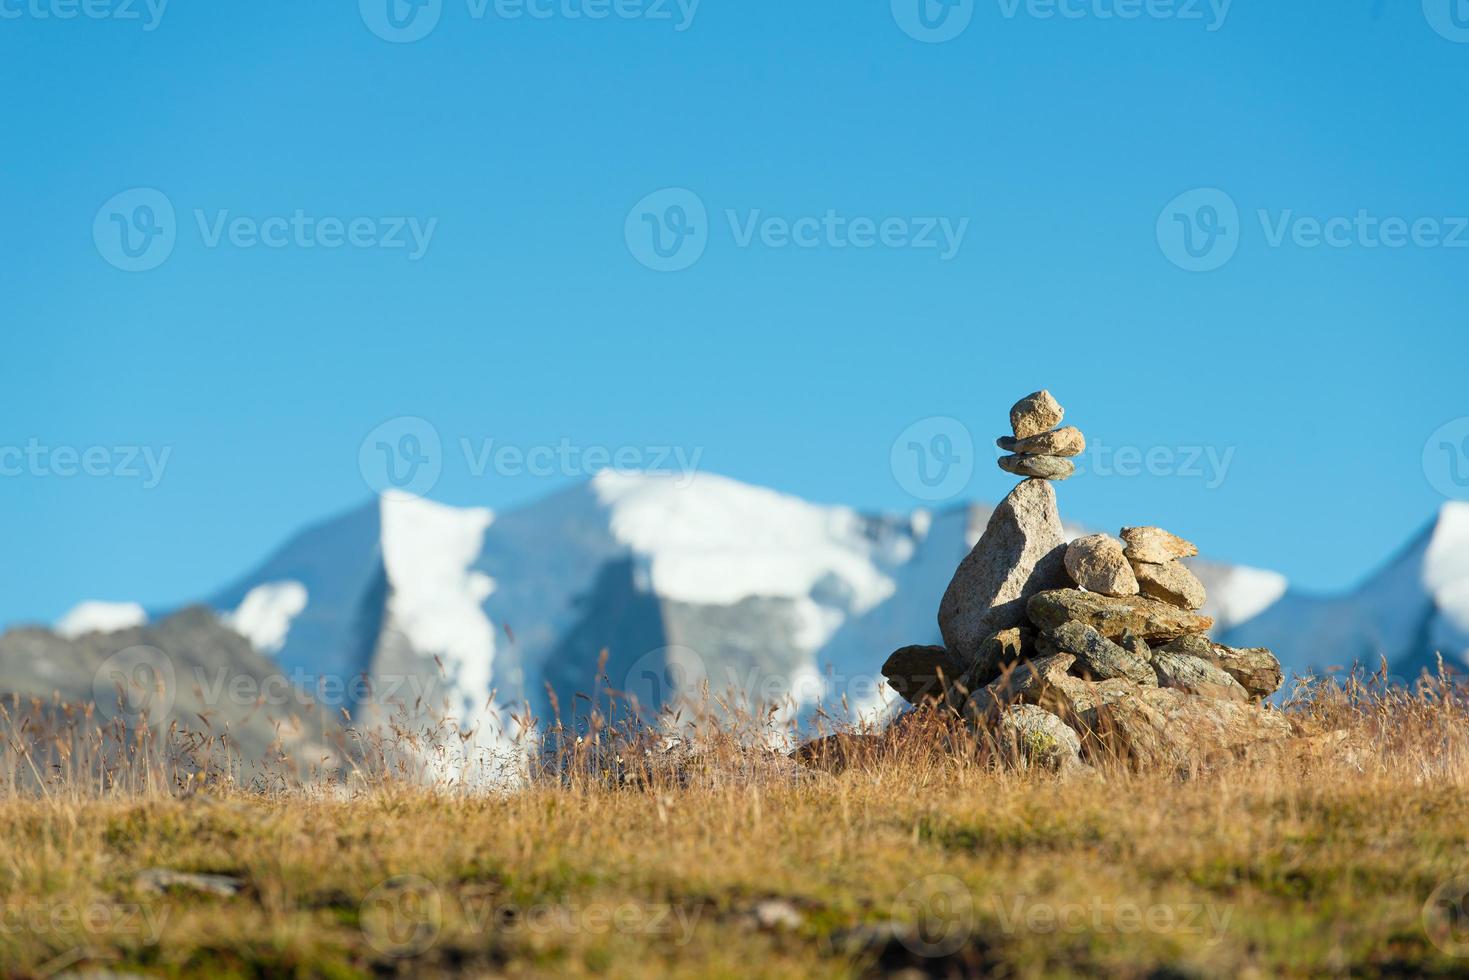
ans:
x=474 y=615
x=1415 y=608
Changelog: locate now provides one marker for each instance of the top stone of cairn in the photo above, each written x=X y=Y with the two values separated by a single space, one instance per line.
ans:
x=1034 y=414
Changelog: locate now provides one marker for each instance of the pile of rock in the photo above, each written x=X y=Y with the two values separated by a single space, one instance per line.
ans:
x=1089 y=650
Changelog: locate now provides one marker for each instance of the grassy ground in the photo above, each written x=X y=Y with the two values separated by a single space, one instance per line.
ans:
x=1338 y=857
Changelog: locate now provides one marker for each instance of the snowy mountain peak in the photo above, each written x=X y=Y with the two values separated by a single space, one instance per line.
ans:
x=677 y=580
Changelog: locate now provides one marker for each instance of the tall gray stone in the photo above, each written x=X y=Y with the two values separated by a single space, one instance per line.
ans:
x=1021 y=553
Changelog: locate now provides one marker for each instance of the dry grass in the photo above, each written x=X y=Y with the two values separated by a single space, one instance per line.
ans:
x=616 y=858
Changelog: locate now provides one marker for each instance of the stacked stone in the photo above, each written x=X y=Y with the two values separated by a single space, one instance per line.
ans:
x=1060 y=653
x=1038 y=449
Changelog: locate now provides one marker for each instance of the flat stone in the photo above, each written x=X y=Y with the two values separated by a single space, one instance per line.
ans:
x=1155 y=545
x=1146 y=618
x=1193 y=675
x=160 y=880
x=1256 y=669
x=1096 y=563
x=1030 y=737
x=1021 y=553
x=1039 y=467
x=1097 y=657
x=1058 y=442
x=1166 y=727
x=1170 y=582
x=1026 y=683
x=921 y=672
x=999 y=652
x=1034 y=414
x=1135 y=645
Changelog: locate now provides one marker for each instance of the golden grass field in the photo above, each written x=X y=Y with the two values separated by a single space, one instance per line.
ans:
x=1347 y=854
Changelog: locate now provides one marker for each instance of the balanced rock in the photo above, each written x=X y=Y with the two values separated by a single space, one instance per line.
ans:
x=1096 y=563
x=1032 y=738
x=1096 y=656
x=1038 y=467
x=1155 y=545
x=1020 y=554
x=1256 y=670
x=1146 y=618
x=919 y=672
x=1195 y=676
x=1058 y=442
x=1170 y=582
x=1000 y=651
x=1034 y=414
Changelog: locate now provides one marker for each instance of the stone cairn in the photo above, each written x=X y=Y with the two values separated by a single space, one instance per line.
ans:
x=1062 y=654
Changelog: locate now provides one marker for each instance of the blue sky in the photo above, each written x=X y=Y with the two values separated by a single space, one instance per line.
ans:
x=818 y=311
